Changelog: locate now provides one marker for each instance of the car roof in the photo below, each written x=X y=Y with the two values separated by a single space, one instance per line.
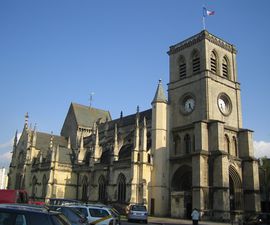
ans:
x=26 y=208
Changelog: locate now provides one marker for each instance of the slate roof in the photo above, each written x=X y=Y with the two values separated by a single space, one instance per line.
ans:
x=66 y=155
x=43 y=140
x=159 y=96
x=127 y=120
x=86 y=116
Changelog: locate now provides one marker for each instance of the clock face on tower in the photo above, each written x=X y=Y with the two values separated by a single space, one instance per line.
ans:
x=187 y=104
x=224 y=104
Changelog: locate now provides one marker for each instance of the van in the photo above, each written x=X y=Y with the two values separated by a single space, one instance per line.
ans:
x=13 y=196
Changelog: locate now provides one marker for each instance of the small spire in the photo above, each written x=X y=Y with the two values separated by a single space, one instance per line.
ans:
x=138 y=109
x=144 y=121
x=81 y=144
x=51 y=140
x=35 y=127
x=121 y=114
x=26 y=117
x=159 y=96
x=15 y=138
x=69 y=143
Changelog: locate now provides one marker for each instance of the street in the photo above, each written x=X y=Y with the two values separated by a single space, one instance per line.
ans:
x=170 y=221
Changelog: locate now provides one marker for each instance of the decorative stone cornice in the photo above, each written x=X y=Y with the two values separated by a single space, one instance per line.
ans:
x=199 y=37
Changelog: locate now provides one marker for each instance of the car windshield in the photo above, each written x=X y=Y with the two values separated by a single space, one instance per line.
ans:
x=83 y=211
x=60 y=219
x=138 y=208
x=113 y=212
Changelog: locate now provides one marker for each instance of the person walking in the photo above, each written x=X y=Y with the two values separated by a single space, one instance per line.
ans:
x=195 y=216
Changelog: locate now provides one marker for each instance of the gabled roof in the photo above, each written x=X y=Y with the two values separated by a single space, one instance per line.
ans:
x=86 y=116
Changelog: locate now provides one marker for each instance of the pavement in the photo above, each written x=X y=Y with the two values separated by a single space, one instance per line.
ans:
x=163 y=220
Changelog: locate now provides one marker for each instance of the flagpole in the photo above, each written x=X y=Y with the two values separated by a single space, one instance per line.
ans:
x=203 y=19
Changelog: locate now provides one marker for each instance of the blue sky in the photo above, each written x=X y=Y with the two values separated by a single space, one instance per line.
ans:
x=55 y=52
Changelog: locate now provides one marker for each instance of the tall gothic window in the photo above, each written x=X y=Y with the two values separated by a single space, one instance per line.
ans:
x=34 y=187
x=44 y=186
x=227 y=144
x=196 y=64
x=235 y=146
x=213 y=61
x=225 y=67
x=18 y=181
x=121 y=188
x=182 y=67
x=177 y=145
x=187 y=140
x=84 y=189
x=102 y=189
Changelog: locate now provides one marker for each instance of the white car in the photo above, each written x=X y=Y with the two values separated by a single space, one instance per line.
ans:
x=137 y=212
x=98 y=215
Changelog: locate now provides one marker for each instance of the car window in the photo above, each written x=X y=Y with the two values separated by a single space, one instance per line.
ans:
x=98 y=212
x=138 y=208
x=113 y=213
x=71 y=215
x=20 y=220
x=83 y=211
x=6 y=218
x=39 y=218
x=60 y=219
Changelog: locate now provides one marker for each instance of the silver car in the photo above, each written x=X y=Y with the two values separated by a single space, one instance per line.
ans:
x=137 y=212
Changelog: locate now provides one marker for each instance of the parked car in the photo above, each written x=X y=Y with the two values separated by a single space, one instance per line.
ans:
x=98 y=214
x=74 y=216
x=13 y=214
x=63 y=201
x=137 y=212
x=258 y=219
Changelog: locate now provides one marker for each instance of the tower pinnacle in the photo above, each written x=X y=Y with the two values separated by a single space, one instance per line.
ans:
x=159 y=96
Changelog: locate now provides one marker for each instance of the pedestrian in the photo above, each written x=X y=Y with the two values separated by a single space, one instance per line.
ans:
x=195 y=216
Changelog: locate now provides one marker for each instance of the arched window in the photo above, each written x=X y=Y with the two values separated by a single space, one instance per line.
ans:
x=182 y=67
x=148 y=158
x=18 y=182
x=34 y=187
x=177 y=145
x=196 y=64
x=121 y=188
x=102 y=189
x=225 y=67
x=213 y=62
x=187 y=144
x=138 y=157
x=44 y=186
x=227 y=144
x=235 y=146
x=84 y=189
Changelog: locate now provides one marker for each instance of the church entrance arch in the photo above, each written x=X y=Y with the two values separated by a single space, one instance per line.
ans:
x=236 y=191
x=181 y=194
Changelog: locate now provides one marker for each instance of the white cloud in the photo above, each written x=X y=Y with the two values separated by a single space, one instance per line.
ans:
x=261 y=149
x=7 y=144
x=6 y=156
x=5 y=151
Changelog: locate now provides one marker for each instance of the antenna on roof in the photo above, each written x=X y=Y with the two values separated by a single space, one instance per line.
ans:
x=91 y=99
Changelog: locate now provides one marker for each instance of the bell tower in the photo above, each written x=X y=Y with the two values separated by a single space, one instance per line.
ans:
x=210 y=152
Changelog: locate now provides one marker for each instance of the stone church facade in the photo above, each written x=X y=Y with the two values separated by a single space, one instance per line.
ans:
x=188 y=150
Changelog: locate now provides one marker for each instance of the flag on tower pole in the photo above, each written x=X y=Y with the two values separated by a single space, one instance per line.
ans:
x=206 y=13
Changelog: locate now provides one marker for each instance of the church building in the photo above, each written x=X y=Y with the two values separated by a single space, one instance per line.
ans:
x=189 y=150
